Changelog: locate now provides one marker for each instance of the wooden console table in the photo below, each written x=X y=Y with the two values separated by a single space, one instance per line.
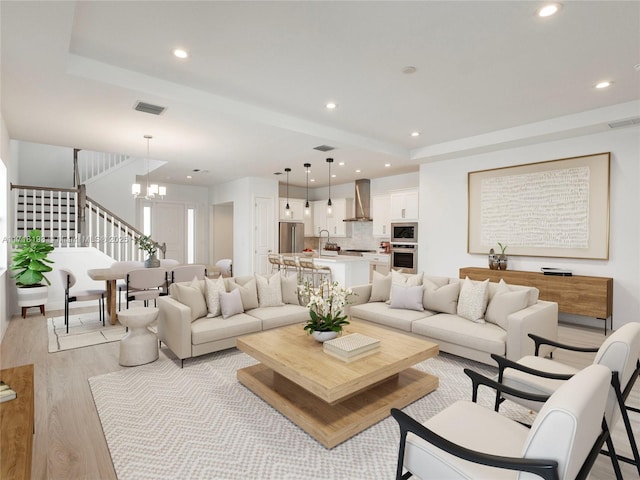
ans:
x=16 y=424
x=578 y=294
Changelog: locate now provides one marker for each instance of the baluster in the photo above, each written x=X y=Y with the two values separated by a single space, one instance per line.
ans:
x=51 y=215
x=104 y=233
x=34 y=225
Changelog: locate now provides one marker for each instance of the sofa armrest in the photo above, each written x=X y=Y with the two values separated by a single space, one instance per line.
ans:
x=361 y=295
x=174 y=326
x=540 y=319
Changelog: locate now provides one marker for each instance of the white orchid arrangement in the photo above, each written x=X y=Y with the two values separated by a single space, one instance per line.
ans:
x=326 y=306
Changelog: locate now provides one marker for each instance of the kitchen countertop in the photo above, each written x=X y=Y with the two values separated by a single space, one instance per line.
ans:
x=329 y=258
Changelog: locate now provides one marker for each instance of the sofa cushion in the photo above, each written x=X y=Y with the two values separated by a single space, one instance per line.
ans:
x=472 y=301
x=379 y=312
x=409 y=298
x=269 y=290
x=289 y=289
x=206 y=330
x=273 y=317
x=213 y=288
x=248 y=290
x=485 y=337
x=192 y=297
x=438 y=281
x=505 y=302
x=380 y=287
x=405 y=279
x=532 y=292
x=440 y=298
x=231 y=303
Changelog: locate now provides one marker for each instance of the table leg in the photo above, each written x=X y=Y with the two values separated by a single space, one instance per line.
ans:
x=111 y=301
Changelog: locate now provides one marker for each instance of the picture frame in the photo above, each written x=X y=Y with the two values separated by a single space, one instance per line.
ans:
x=554 y=208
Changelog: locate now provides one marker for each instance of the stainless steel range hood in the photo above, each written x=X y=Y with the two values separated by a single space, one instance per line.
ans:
x=362 y=201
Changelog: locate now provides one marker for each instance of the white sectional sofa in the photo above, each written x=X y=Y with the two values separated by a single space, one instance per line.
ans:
x=464 y=317
x=193 y=320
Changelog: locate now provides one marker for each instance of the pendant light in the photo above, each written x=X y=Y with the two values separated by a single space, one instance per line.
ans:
x=153 y=189
x=329 y=204
x=287 y=209
x=307 y=209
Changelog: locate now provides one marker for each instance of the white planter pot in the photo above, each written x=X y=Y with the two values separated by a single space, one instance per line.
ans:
x=33 y=296
x=324 y=336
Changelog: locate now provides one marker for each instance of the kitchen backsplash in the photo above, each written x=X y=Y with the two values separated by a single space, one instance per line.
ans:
x=361 y=238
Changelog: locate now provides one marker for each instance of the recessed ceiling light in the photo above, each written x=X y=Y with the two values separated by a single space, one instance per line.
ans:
x=387 y=164
x=415 y=134
x=312 y=179
x=333 y=175
x=603 y=85
x=189 y=176
x=358 y=171
x=331 y=105
x=341 y=164
x=180 y=53
x=549 y=10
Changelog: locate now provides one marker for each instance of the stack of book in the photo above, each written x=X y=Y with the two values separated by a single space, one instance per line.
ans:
x=560 y=272
x=6 y=393
x=351 y=347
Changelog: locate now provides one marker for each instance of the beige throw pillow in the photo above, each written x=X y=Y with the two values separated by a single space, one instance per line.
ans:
x=504 y=303
x=405 y=280
x=248 y=291
x=213 y=288
x=269 y=290
x=191 y=297
x=407 y=298
x=443 y=299
x=231 y=303
x=380 y=287
x=472 y=302
x=289 y=287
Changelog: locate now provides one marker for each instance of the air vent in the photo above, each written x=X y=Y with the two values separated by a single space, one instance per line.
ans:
x=625 y=123
x=149 y=108
x=324 y=148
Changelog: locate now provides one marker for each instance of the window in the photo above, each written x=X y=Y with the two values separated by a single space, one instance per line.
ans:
x=146 y=220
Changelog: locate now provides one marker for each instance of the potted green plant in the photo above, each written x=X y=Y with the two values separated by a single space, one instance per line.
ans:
x=146 y=244
x=30 y=262
x=502 y=259
x=326 y=309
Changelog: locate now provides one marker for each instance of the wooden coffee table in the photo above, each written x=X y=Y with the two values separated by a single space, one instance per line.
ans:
x=330 y=399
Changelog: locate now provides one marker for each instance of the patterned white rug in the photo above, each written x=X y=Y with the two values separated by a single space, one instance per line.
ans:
x=85 y=329
x=164 y=422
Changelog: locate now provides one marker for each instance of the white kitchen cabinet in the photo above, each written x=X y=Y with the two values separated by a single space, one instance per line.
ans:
x=404 y=205
x=335 y=224
x=296 y=210
x=378 y=262
x=381 y=214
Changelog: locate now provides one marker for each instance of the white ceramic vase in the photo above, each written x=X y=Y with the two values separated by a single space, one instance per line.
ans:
x=324 y=336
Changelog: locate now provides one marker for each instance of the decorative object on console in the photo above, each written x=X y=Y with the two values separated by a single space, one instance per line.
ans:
x=326 y=308
x=502 y=259
x=560 y=272
x=146 y=244
x=493 y=260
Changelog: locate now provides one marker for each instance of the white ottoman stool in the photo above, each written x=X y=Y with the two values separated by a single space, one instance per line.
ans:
x=139 y=345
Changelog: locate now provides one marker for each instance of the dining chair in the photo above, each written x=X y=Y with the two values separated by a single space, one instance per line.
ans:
x=121 y=268
x=186 y=273
x=226 y=267
x=68 y=281
x=466 y=440
x=145 y=284
x=620 y=353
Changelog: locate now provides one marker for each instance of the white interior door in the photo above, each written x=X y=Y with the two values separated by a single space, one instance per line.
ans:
x=264 y=237
x=169 y=225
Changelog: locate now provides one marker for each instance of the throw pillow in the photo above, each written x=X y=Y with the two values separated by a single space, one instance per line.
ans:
x=504 y=303
x=442 y=299
x=248 y=291
x=269 y=290
x=472 y=302
x=289 y=287
x=404 y=279
x=380 y=287
x=191 y=297
x=213 y=289
x=231 y=303
x=408 y=298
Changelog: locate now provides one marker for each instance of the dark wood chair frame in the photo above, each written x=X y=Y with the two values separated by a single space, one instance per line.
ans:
x=546 y=469
x=621 y=395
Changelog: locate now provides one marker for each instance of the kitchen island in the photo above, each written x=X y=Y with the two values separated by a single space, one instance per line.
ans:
x=347 y=270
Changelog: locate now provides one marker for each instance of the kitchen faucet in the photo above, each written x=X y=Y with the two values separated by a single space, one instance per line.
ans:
x=320 y=240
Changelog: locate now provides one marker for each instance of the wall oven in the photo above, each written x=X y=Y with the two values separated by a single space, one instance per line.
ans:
x=404 y=232
x=404 y=256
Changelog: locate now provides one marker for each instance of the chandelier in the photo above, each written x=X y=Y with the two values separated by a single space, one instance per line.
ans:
x=153 y=189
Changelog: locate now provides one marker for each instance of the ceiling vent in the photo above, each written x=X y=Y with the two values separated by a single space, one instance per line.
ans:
x=324 y=148
x=625 y=123
x=149 y=108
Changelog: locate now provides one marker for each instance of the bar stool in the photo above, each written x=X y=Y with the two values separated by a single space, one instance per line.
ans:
x=276 y=263
x=291 y=265
x=139 y=345
x=318 y=274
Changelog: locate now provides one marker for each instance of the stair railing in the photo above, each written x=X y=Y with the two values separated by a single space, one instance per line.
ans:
x=90 y=165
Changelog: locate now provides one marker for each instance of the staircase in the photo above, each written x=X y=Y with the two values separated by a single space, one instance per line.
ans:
x=93 y=165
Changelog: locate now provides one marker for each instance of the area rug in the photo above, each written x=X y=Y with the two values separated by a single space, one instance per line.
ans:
x=164 y=422
x=85 y=329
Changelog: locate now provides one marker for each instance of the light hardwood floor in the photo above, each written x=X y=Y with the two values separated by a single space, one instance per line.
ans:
x=69 y=443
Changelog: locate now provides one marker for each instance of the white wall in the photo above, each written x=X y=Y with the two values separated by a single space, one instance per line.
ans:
x=242 y=194
x=113 y=191
x=5 y=221
x=443 y=230
x=44 y=165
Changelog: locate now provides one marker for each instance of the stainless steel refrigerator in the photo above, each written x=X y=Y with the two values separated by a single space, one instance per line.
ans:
x=291 y=237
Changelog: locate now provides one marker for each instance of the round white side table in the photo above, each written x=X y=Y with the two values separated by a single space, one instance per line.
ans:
x=139 y=345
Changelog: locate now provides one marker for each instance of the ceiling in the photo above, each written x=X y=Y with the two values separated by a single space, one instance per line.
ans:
x=250 y=99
